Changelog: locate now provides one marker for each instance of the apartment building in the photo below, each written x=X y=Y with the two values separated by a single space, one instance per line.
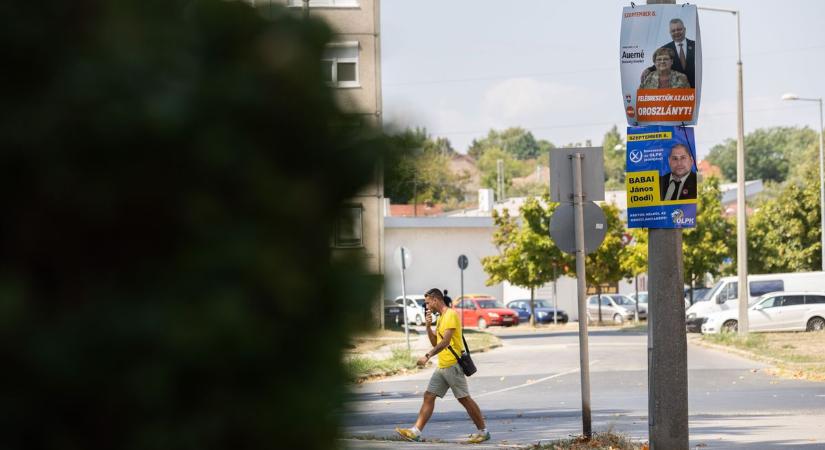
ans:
x=352 y=66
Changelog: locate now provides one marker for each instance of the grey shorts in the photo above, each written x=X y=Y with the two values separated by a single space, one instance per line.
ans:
x=449 y=378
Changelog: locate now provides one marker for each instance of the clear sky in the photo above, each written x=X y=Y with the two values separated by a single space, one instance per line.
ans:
x=461 y=67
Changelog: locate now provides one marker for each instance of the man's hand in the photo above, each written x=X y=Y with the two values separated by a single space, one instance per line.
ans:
x=423 y=360
x=428 y=316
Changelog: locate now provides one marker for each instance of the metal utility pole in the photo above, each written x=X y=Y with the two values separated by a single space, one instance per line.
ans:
x=667 y=340
x=741 y=207
x=500 y=179
x=821 y=170
x=584 y=354
x=404 y=296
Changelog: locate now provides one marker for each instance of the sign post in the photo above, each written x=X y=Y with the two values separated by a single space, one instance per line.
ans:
x=462 y=264
x=403 y=258
x=573 y=181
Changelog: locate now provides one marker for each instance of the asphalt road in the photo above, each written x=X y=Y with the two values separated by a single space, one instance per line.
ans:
x=529 y=391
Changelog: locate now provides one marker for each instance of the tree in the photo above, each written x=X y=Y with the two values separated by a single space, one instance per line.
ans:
x=771 y=152
x=633 y=258
x=517 y=142
x=488 y=166
x=614 y=160
x=527 y=255
x=604 y=265
x=171 y=174
x=421 y=171
x=705 y=247
x=784 y=232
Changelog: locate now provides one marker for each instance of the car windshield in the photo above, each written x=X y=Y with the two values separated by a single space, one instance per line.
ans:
x=642 y=297
x=420 y=302
x=488 y=304
x=541 y=303
x=710 y=294
x=622 y=300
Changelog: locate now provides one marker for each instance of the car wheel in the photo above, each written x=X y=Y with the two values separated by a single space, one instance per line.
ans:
x=731 y=326
x=482 y=324
x=418 y=320
x=618 y=319
x=816 y=324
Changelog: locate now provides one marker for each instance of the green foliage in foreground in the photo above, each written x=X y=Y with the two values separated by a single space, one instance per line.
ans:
x=171 y=171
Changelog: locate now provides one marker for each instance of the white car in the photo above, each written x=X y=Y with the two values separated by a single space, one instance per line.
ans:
x=777 y=311
x=415 y=308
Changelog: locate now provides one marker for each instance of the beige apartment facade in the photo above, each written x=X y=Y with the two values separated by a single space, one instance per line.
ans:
x=352 y=66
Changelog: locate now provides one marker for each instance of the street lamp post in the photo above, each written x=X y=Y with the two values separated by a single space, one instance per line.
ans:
x=741 y=229
x=821 y=170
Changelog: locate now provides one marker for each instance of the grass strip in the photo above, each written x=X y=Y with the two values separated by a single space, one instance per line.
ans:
x=599 y=441
x=360 y=368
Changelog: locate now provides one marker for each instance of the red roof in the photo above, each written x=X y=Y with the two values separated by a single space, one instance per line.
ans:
x=422 y=209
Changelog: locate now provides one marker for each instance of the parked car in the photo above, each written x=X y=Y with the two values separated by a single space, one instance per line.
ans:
x=483 y=310
x=698 y=294
x=393 y=314
x=778 y=311
x=615 y=307
x=725 y=293
x=415 y=308
x=544 y=311
x=643 y=295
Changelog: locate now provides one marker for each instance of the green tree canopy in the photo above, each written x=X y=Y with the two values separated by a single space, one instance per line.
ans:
x=171 y=174
x=633 y=258
x=770 y=153
x=784 y=232
x=527 y=255
x=422 y=171
x=614 y=160
x=488 y=166
x=517 y=142
x=705 y=247
x=604 y=265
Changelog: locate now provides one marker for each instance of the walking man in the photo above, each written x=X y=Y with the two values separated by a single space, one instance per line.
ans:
x=448 y=375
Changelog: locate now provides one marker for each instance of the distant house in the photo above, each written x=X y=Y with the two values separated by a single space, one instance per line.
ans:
x=706 y=169
x=539 y=176
x=464 y=166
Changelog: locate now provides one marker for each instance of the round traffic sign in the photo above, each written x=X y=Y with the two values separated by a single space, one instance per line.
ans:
x=462 y=262
x=563 y=227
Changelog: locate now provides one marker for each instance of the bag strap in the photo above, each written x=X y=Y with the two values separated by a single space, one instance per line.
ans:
x=450 y=347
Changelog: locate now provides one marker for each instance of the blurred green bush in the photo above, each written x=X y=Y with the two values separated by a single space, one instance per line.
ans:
x=170 y=174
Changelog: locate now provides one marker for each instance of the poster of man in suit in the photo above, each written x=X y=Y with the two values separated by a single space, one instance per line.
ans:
x=661 y=64
x=661 y=177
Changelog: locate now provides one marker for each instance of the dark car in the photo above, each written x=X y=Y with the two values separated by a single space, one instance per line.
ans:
x=393 y=313
x=544 y=311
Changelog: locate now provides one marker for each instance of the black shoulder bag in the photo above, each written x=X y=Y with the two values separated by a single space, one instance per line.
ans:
x=465 y=361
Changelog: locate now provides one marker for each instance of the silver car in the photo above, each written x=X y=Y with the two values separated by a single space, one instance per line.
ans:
x=615 y=307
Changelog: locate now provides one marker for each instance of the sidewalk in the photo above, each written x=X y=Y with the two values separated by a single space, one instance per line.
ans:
x=707 y=432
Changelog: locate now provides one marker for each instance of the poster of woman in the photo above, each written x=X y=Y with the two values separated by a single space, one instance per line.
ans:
x=661 y=64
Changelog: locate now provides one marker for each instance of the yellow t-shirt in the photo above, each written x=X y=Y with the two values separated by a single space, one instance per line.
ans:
x=448 y=320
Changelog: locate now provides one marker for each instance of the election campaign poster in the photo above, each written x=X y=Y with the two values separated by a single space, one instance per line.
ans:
x=661 y=177
x=661 y=64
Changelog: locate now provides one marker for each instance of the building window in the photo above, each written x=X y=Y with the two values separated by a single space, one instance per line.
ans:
x=349 y=228
x=340 y=64
x=326 y=3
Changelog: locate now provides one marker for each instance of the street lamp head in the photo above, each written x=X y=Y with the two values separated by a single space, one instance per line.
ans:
x=790 y=96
